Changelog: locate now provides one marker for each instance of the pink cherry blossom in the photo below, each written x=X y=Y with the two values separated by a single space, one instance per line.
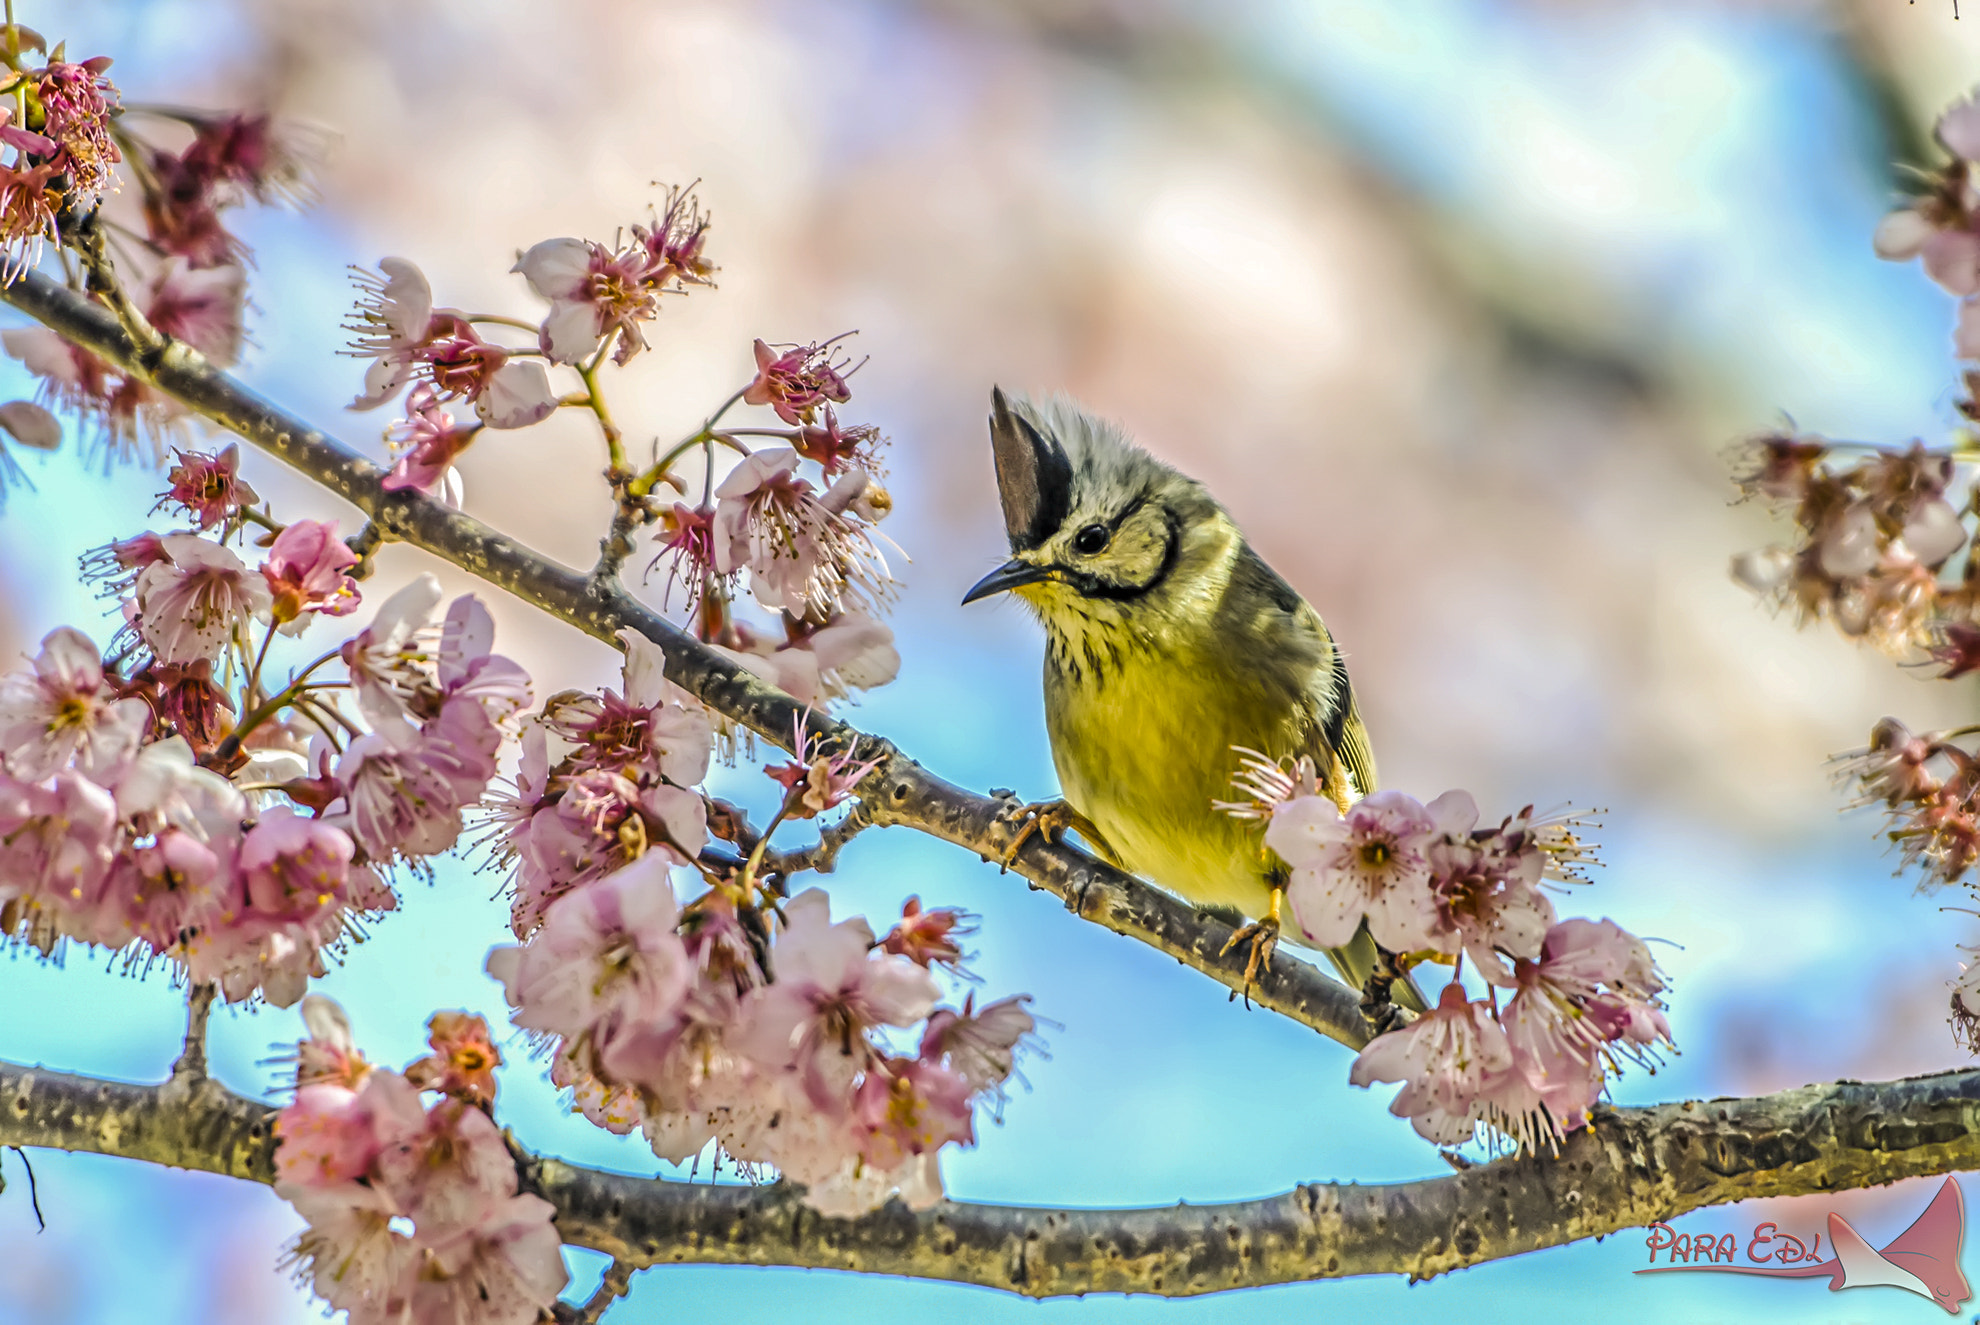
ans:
x=797 y=380
x=202 y=306
x=606 y=958
x=813 y=782
x=305 y=571
x=209 y=487
x=851 y=651
x=593 y=291
x=463 y=1060
x=77 y=100
x=1952 y=259
x=465 y=665
x=803 y=558
x=395 y=309
x=981 y=1045
x=331 y=1133
x=407 y=788
x=56 y=845
x=65 y=711
x=1371 y=863
x=188 y=607
x=616 y=1108
x=835 y=449
x=1958 y=128
x=910 y=1106
x=330 y=1053
x=505 y=1267
x=1446 y=1061
x=390 y=660
x=428 y=441
x=686 y=542
x=28 y=202
x=601 y=822
x=165 y=786
x=828 y=991
x=449 y=1168
x=171 y=888
x=675 y=242
x=294 y=868
x=1486 y=887
x=353 y=1257
x=928 y=937
x=114 y=567
x=1595 y=985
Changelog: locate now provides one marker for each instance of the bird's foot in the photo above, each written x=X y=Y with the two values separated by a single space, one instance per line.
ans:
x=1263 y=937
x=1050 y=820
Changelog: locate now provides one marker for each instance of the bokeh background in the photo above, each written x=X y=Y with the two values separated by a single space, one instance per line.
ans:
x=1456 y=304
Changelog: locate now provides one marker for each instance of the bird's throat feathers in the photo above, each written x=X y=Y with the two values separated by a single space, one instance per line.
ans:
x=1090 y=636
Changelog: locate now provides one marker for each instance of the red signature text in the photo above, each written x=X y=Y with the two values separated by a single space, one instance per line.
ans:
x=1768 y=1244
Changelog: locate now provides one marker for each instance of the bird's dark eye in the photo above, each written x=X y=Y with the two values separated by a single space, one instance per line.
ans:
x=1091 y=539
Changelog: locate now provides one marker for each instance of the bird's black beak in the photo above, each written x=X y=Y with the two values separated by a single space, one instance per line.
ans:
x=1007 y=576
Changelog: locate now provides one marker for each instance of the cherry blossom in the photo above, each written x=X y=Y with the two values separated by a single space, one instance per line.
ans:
x=1486 y=887
x=980 y=1044
x=798 y=380
x=28 y=202
x=76 y=102
x=395 y=309
x=192 y=603
x=428 y=441
x=306 y=573
x=406 y=787
x=295 y=868
x=594 y=291
x=463 y=1060
x=828 y=992
x=504 y=1267
x=803 y=556
x=1446 y=1062
x=208 y=487
x=606 y=957
x=1372 y=863
x=390 y=660
x=65 y=711
x=928 y=937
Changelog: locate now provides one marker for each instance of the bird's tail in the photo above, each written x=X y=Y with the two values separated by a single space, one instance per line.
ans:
x=1359 y=959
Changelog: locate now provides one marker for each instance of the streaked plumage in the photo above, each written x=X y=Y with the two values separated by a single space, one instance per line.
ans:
x=1168 y=642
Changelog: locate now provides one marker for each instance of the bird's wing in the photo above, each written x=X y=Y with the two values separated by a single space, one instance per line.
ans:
x=1342 y=740
x=1328 y=728
x=1355 y=753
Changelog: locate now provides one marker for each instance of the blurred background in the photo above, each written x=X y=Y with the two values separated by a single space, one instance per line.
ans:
x=1457 y=305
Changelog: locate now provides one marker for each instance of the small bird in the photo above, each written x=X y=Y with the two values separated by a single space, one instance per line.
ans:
x=1169 y=644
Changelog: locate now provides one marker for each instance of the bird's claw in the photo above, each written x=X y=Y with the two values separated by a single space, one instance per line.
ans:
x=1050 y=820
x=1263 y=936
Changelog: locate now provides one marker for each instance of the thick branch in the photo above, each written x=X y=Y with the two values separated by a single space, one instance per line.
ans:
x=898 y=791
x=1631 y=1168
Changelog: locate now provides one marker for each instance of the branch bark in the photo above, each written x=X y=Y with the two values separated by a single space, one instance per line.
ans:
x=1630 y=1168
x=897 y=791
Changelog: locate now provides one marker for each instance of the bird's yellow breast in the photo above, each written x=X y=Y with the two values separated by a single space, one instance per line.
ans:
x=1143 y=747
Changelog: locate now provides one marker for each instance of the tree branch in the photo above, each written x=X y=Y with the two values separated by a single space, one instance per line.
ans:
x=1630 y=1168
x=897 y=791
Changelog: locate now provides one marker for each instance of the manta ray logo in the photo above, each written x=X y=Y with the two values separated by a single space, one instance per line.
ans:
x=1924 y=1259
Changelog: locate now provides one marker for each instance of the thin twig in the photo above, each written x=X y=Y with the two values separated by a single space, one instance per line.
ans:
x=822 y=855
x=192 y=1059
x=34 y=1190
x=615 y=1285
